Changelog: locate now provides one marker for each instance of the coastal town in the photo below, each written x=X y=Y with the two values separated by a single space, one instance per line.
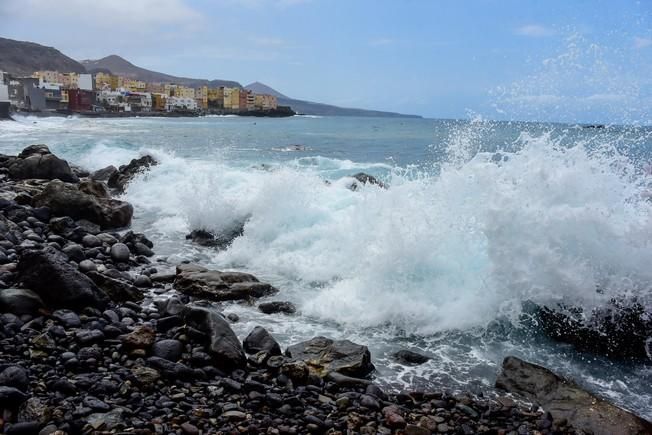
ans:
x=105 y=94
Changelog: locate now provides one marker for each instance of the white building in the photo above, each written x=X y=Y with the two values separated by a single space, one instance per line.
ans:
x=180 y=103
x=4 y=92
x=85 y=82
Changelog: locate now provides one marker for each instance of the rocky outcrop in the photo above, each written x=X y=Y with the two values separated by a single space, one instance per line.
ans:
x=118 y=180
x=220 y=240
x=275 y=307
x=566 y=400
x=362 y=179
x=324 y=355
x=104 y=174
x=65 y=199
x=214 y=285
x=117 y=289
x=224 y=344
x=409 y=357
x=37 y=162
x=620 y=330
x=48 y=273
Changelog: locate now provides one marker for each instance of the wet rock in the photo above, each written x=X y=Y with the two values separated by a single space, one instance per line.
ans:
x=143 y=281
x=145 y=376
x=171 y=369
x=142 y=337
x=41 y=165
x=11 y=397
x=14 y=376
x=324 y=355
x=34 y=410
x=94 y=188
x=259 y=340
x=224 y=344
x=410 y=358
x=48 y=273
x=86 y=266
x=277 y=307
x=362 y=179
x=19 y=301
x=619 y=330
x=219 y=240
x=65 y=199
x=120 y=253
x=566 y=400
x=168 y=349
x=91 y=241
x=74 y=252
x=104 y=174
x=200 y=282
x=24 y=428
x=119 y=180
x=68 y=318
x=117 y=289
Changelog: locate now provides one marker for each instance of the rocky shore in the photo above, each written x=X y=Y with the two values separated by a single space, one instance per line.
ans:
x=87 y=347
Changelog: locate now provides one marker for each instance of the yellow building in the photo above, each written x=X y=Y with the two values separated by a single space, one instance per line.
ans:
x=251 y=100
x=70 y=80
x=135 y=85
x=103 y=79
x=49 y=76
x=155 y=88
x=159 y=102
x=232 y=99
x=216 y=97
x=265 y=102
x=201 y=96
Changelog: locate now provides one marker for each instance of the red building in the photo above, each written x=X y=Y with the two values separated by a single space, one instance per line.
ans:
x=80 y=100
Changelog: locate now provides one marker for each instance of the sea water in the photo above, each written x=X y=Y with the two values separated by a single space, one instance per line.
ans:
x=479 y=217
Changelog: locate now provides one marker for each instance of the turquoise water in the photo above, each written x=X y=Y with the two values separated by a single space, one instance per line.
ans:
x=479 y=217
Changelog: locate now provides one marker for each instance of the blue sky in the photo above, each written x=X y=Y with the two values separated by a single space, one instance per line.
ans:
x=553 y=60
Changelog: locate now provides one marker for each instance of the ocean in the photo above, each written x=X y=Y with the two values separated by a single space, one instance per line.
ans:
x=479 y=218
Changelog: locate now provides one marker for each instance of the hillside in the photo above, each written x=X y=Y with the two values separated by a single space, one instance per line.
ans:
x=320 y=109
x=23 y=58
x=120 y=66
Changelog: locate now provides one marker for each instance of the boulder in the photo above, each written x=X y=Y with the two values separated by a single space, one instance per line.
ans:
x=15 y=376
x=140 y=338
x=36 y=161
x=619 y=330
x=324 y=355
x=119 y=179
x=214 y=285
x=224 y=344
x=362 y=178
x=117 y=289
x=95 y=188
x=120 y=253
x=59 y=284
x=65 y=199
x=170 y=350
x=34 y=150
x=410 y=358
x=19 y=301
x=11 y=397
x=566 y=400
x=104 y=174
x=259 y=340
x=220 y=240
x=277 y=307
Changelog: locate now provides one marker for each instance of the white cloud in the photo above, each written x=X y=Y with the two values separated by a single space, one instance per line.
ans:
x=260 y=4
x=119 y=13
x=642 y=42
x=534 y=31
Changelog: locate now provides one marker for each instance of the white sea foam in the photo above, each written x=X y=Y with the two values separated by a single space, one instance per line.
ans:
x=432 y=253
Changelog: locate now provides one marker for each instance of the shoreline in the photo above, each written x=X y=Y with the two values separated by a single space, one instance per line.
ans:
x=89 y=114
x=84 y=351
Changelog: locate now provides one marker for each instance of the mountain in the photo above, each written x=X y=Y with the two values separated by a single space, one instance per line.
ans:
x=261 y=88
x=320 y=109
x=23 y=58
x=122 y=67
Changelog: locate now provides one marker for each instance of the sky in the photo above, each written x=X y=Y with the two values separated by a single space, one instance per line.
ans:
x=560 y=60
